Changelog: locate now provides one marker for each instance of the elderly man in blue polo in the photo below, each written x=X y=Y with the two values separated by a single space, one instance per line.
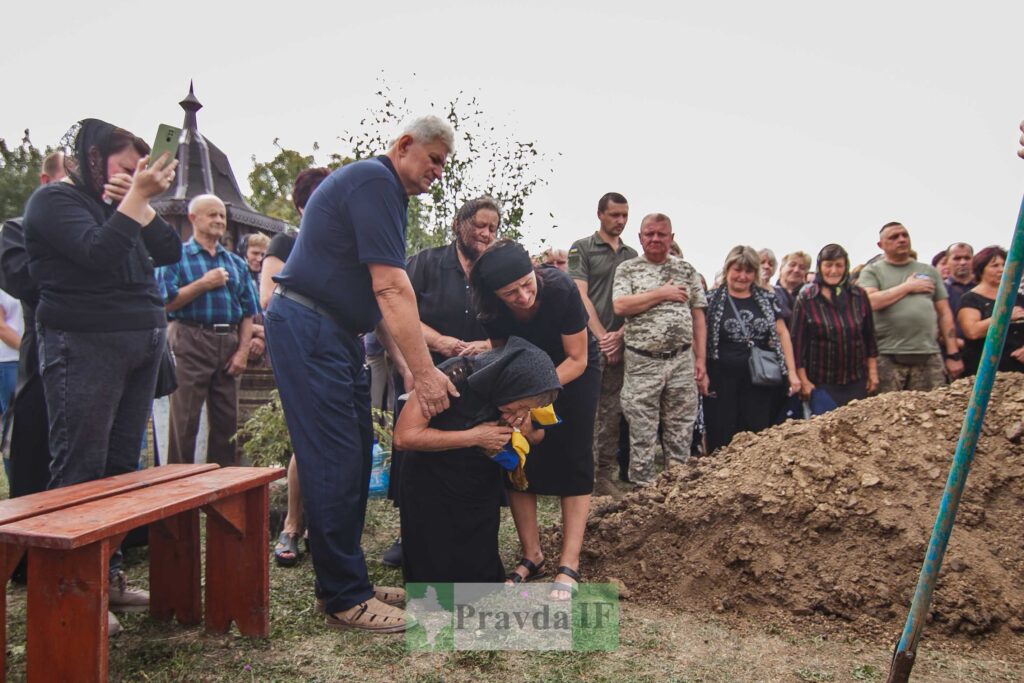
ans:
x=346 y=276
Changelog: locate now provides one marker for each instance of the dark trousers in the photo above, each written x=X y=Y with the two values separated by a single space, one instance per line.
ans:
x=99 y=393
x=735 y=405
x=30 y=440
x=30 y=429
x=201 y=357
x=318 y=366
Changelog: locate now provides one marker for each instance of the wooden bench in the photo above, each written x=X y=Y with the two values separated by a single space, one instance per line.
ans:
x=70 y=534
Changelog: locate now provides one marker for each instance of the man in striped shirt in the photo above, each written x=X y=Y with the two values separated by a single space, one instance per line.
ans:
x=211 y=301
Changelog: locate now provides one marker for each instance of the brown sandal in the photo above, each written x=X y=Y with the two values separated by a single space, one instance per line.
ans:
x=372 y=615
x=390 y=596
x=386 y=594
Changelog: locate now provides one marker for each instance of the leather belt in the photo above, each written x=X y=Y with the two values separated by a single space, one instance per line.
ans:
x=216 y=328
x=310 y=303
x=660 y=355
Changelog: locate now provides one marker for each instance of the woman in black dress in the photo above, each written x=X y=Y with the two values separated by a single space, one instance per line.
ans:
x=544 y=307
x=451 y=490
x=975 y=314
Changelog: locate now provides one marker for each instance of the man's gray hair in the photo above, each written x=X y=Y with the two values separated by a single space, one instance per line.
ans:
x=426 y=129
x=196 y=201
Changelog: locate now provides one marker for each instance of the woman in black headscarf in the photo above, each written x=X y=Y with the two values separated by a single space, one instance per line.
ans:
x=93 y=241
x=451 y=489
x=544 y=307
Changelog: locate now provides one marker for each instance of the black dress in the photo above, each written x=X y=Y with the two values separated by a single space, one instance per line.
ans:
x=443 y=302
x=563 y=463
x=450 y=512
x=974 y=347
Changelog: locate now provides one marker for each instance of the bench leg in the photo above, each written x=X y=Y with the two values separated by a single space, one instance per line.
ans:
x=10 y=556
x=237 y=566
x=174 y=569
x=67 y=613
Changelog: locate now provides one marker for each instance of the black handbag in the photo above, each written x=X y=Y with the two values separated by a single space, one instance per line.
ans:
x=764 y=367
x=167 y=375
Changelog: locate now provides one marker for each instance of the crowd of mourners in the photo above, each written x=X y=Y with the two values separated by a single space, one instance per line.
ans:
x=575 y=373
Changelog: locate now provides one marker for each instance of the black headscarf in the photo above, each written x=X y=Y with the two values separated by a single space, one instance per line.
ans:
x=87 y=146
x=492 y=379
x=832 y=252
x=502 y=265
x=517 y=370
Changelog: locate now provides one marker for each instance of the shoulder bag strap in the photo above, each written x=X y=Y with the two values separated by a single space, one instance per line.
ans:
x=743 y=325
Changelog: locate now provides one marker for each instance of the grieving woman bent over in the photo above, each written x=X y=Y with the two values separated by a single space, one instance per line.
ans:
x=451 y=487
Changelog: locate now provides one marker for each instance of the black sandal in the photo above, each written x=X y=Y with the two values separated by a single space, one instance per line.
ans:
x=534 y=571
x=567 y=587
x=286 y=552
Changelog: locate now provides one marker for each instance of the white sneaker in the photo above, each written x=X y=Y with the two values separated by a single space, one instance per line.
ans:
x=125 y=599
x=113 y=625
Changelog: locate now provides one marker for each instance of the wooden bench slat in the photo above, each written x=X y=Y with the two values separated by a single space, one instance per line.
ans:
x=100 y=519
x=45 y=502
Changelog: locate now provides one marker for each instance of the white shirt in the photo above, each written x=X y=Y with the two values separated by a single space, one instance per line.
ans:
x=13 y=317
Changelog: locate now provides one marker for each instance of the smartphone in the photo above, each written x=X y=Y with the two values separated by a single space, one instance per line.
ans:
x=167 y=140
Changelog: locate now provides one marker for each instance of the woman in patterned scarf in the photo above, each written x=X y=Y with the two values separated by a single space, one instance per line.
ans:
x=834 y=333
x=736 y=309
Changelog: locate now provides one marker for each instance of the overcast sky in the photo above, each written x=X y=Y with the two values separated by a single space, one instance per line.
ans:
x=784 y=124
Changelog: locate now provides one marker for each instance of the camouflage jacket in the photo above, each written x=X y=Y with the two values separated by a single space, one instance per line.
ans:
x=668 y=325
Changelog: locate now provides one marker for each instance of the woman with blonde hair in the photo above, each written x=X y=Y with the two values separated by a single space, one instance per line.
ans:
x=741 y=315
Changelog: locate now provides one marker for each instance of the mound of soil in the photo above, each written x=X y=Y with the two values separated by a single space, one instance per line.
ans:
x=831 y=516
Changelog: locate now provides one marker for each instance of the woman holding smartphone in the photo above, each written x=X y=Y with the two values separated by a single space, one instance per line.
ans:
x=93 y=241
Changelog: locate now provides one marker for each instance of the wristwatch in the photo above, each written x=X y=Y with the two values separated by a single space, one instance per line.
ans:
x=954 y=356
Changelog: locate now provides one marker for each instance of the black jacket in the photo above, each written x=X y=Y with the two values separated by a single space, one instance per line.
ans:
x=94 y=266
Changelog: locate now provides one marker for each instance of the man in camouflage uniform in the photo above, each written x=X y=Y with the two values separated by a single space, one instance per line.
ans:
x=662 y=300
x=592 y=264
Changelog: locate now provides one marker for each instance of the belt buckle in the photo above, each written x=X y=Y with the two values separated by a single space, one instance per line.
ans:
x=221 y=328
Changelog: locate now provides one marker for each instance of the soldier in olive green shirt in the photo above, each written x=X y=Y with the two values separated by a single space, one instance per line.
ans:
x=592 y=264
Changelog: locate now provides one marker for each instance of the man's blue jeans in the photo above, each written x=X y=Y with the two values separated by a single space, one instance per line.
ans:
x=99 y=392
x=318 y=366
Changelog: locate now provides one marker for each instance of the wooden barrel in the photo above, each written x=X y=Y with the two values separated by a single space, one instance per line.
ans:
x=253 y=391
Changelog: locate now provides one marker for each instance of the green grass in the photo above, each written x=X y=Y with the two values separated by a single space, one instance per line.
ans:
x=656 y=644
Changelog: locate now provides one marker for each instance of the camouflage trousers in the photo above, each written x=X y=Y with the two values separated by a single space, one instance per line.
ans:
x=606 y=424
x=658 y=391
x=893 y=376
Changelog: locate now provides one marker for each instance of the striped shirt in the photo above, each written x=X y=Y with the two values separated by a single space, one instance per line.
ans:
x=833 y=338
x=228 y=304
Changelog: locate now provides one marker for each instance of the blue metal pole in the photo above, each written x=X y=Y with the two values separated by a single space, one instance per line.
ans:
x=903 y=661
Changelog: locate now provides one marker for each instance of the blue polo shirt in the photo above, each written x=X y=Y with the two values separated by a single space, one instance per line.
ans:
x=228 y=304
x=355 y=217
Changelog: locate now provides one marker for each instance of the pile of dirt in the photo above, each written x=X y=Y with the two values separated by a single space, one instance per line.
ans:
x=831 y=516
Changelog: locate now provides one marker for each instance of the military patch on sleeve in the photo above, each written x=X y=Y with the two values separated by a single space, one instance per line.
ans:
x=575 y=259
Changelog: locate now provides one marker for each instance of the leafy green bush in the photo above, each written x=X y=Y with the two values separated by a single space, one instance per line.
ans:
x=264 y=435
x=265 y=438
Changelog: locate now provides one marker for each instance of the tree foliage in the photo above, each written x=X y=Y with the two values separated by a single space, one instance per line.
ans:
x=271 y=183
x=486 y=161
x=19 y=175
